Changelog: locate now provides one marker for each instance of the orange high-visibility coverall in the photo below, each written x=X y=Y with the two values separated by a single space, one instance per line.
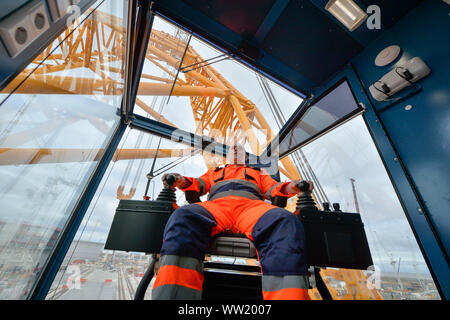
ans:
x=235 y=204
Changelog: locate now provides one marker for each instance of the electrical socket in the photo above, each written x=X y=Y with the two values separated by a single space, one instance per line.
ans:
x=24 y=26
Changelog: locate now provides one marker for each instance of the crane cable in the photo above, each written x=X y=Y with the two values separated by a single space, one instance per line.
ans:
x=127 y=172
x=141 y=164
x=152 y=174
x=302 y=165
x=179 y=160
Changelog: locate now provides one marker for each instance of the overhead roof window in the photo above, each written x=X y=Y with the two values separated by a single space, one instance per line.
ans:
x=332 y=108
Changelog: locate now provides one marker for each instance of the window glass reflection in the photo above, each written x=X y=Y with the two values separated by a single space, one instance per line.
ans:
x=213 y=94
x=348 y=170
x=335 y=106
x=55 y=122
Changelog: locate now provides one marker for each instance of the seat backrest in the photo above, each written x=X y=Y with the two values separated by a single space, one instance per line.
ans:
x=232 y=244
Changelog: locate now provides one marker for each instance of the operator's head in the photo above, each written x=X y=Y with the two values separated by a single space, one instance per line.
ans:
x=236 y=154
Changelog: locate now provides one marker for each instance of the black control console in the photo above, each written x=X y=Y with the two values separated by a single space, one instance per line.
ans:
x=138 y=225
x=333 y=238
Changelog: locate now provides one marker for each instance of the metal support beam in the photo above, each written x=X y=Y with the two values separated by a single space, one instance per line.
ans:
x=272 y=17
x=28 y=156
x=129 y=55
x=171 y=133
x=144 y=27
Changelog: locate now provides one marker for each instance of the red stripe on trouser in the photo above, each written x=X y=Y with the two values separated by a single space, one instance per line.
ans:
x=179 y=276
x=286 y=294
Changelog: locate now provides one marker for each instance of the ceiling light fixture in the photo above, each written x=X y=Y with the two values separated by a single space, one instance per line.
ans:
x=347 y=12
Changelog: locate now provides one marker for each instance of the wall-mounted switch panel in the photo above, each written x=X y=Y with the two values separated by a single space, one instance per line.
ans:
x=399 y=78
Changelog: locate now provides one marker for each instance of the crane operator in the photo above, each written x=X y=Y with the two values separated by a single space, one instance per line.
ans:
x=235 y=204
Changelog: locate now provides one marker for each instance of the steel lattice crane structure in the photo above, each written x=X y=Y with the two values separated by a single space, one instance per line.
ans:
x=219 y=109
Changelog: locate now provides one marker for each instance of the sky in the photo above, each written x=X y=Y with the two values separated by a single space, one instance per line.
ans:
x=44 y=193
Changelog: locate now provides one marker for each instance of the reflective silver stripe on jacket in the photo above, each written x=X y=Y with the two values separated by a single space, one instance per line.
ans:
x=175 y=292
x=275 y=283
x=202 y=186
x=269 y=192
x=240 y=181
x=238 y=193
x=182 y=262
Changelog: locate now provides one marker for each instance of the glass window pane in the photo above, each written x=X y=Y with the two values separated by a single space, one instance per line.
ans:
x=346 y=168
x=90 y=272
x=214 y=95
x=331 y=109
x=53 y=130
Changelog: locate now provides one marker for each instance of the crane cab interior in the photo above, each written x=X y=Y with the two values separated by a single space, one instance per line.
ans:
x=98 y=99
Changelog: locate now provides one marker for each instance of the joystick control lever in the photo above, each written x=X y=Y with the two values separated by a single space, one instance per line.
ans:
x=303 y=186
x=170 y=180
x=337 y=207
x=168 y=194
x=305 y=200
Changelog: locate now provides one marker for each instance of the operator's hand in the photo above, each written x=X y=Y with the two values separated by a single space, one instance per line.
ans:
x=292 y=187
x=178 y=182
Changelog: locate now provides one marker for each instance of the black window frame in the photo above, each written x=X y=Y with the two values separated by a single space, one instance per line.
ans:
x=300 y=112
